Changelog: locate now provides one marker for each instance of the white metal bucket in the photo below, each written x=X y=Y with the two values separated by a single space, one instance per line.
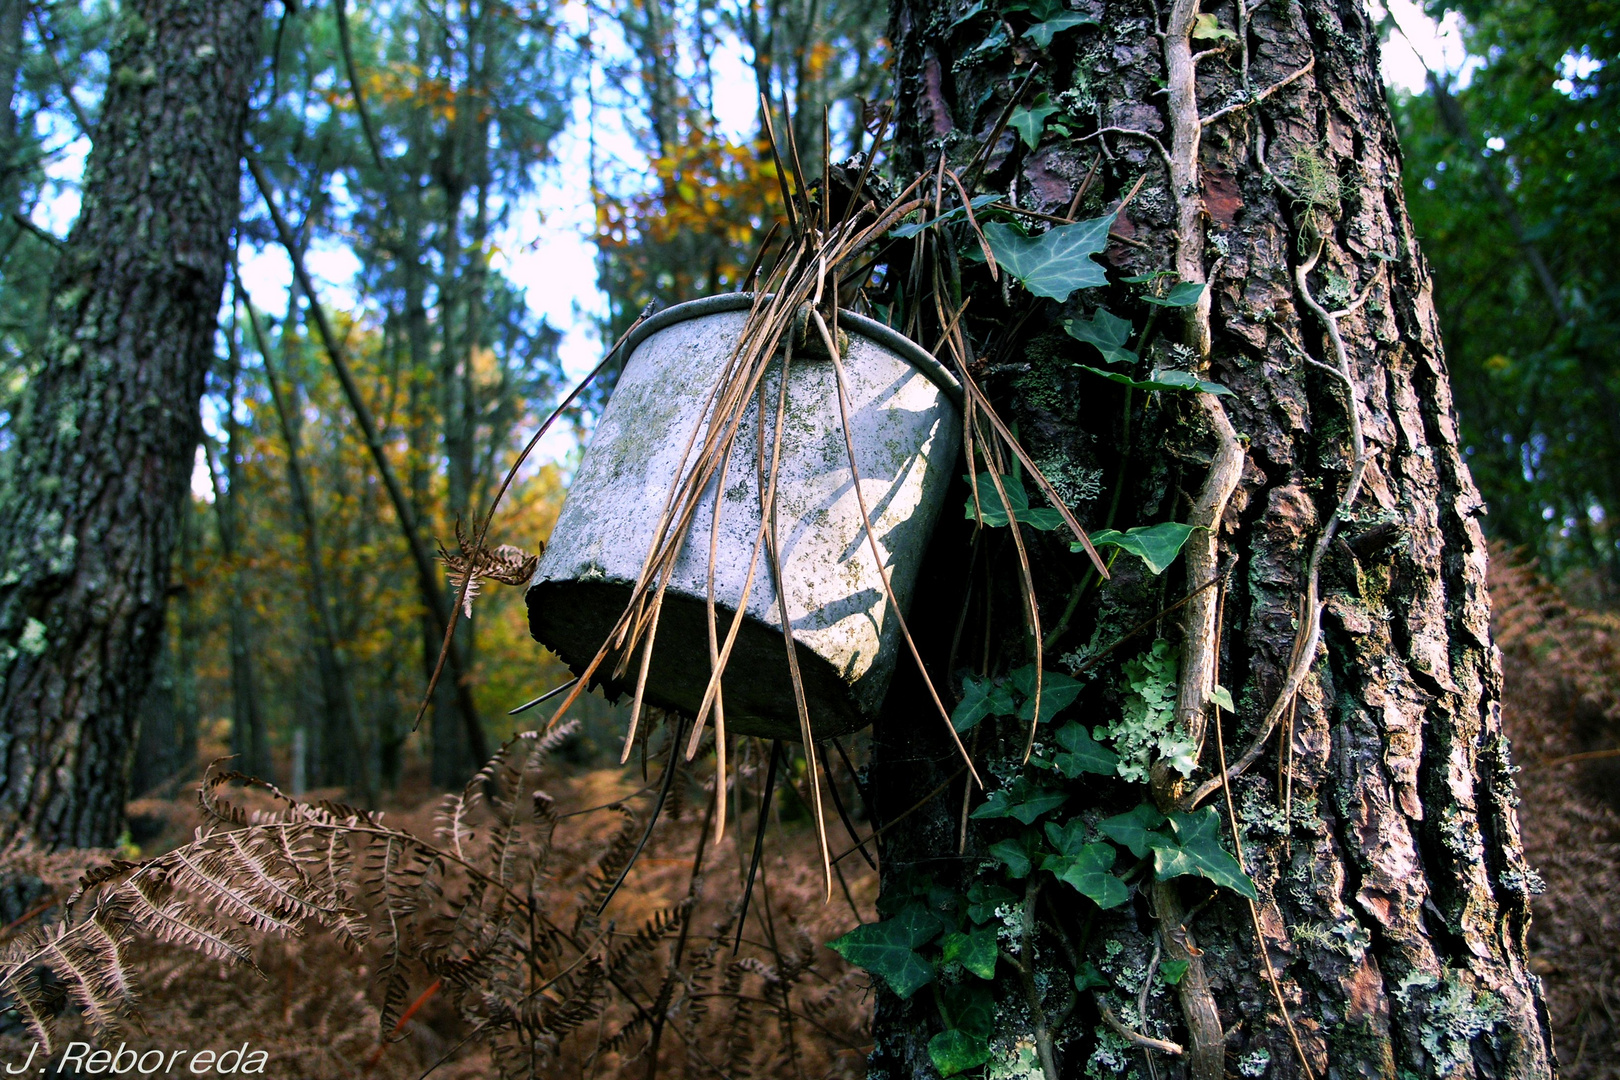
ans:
x=906 y=423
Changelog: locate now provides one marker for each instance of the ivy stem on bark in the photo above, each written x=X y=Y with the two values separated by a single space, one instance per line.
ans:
x=1206 y=1042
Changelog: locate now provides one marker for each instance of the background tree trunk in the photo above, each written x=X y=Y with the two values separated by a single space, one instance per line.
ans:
x=1394 y=897
x=250 y=740
x=111 y=420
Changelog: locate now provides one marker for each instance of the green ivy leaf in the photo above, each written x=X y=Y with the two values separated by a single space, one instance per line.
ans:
x=889 y=948
x=969 y=1006
x=1107 y=333
x=1222 y=697
x=1089 y=978
x=1156 y=545
x=993 y=45
x=974 y=11
x=1185 y=294
x=975 y=951
x=1208 y=28
x=1087 y=871
x=980 y=698
x=1022 y=801
x=1068 y=837
x=1043 y=32
x=1171 y=971
x=1030 y=122
x=1196 y=849
x=1015 y=856
x=949 y=217
x=1084 y=754
x=994 y=509
x=1057 y=262
x=954 y=1050
x=1133 y=829
x=1163 y=380
x=983 y=899
x=1058 y=691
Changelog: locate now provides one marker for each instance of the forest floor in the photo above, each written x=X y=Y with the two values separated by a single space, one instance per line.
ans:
x=313 y=1008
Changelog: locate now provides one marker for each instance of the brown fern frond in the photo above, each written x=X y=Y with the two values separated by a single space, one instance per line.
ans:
x=740 y=1033
x=608 y=867
x=170 y=919
x=90 y=965
x=208 y=874
x=580 y=1000
x=506 y=564
x=644 y=941
x=21 y=987
x=98 y=875
x=619 y=1040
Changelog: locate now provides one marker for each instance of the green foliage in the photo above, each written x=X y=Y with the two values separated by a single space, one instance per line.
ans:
x=1030 y=121
x=1207 y=28
x=1185 y=294
x=1522 y=164
x=949 y=217
x=1058 y=691
x=1156 y=545
x=994 y=508
x=1146 y=730
x=1084 y=866
x=1022 y=800
x=1193 y=846
x=1161 y=380
x=955 y=1050
x=889 y=948
x=983 y=900
x=1171 y=971
x=1044 y=31
x=1013 y=696
x=1089 y=978
x=1107 y=332
x=1057 y=262
x=1082 y=753
x=1015 y=855
x=975 y=950
x=981 y=698
x=969 y=1012
x=1133 y=829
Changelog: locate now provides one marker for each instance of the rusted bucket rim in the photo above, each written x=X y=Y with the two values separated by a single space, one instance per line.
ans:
x=868 y=328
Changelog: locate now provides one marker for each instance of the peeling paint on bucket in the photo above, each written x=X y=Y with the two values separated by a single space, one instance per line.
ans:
x=906 y=425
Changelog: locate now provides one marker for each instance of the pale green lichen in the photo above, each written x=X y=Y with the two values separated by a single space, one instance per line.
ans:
x=1453 y=1015
x=1344 y=937
x=1146 y=730
x=1112 y=1058
x=1255 y=1063
x=32 y=641
x=1018 y=1062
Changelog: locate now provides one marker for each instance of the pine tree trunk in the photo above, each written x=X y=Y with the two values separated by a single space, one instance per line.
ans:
x=157 y=730
x=249 y=740
x=1393 y=894
x=188 y=717
x=111 y=419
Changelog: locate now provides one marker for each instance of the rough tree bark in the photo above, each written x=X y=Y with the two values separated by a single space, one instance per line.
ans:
x=1393 y=894
x=111 y=420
